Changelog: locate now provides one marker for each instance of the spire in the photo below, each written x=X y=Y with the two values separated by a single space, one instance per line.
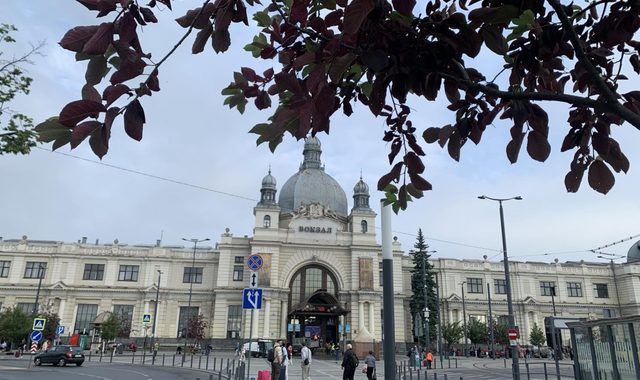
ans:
x=361 y=195
x=268 y=190
x=312 y=151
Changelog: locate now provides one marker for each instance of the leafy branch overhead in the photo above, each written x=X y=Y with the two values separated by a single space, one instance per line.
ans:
x=331 y=55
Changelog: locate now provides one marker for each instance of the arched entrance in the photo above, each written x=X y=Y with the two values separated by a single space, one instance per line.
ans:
x=315 y=309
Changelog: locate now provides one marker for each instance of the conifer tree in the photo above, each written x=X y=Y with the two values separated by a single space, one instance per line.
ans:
x=417 y=305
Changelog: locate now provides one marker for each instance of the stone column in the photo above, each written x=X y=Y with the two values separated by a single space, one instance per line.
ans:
x=267 y=318
x=360 y=315
x=283 y=320
x=524 y=335
x=372 y=328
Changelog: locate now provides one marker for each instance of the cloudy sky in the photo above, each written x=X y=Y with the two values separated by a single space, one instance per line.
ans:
x=197 y=171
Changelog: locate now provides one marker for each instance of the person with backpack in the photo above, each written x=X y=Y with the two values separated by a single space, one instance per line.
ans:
x=349 y=363
x=286 y=360
x=305 y=360
x=275 y=357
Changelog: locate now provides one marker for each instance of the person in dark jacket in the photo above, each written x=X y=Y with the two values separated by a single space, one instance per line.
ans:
x=349 y=363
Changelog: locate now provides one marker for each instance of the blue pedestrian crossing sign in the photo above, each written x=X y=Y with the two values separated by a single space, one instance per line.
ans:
x=252 y=298
x=36 y=336
x=146 y=318
x=38 y=324
x=60 y=330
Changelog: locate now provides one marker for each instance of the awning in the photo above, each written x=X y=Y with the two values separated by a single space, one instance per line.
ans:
x=320 y=302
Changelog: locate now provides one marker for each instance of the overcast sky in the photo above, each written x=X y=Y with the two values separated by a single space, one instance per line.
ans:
x=192 y=139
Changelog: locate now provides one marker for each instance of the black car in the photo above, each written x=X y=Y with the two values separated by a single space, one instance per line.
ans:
x=60 y=355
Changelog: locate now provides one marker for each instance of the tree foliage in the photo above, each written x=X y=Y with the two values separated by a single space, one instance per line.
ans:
x=418 y=289
x=17 y=136
x=500 y=333
x=196 y=326
x=14 y=325
x=330 y=56
x=477 y=331
x=110 y=329
x=51 y=326
x=452 y=332
x=537 y=337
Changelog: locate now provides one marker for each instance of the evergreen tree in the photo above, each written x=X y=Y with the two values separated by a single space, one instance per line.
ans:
x=536 y=337
x=416 y=303
x=110 y=329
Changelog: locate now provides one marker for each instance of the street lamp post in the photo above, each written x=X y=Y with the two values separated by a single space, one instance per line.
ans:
x=515 y=366
x=155 y=317
x=40 y=276
x=464 y=319
x=191 y=279
x=491 y=333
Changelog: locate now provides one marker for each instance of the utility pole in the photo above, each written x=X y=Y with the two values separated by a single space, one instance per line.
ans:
x=155 y=317
x=425 y=310
x=464 y=319
x=192 y=276
x=440 y=322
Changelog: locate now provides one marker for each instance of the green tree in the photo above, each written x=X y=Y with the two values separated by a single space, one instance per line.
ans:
x=330 y=57
x=501 y=333
x=17 y=136
x=196 y=327
x=14 y=325
x=110 y=329
x=477 y=331
x=452 y=333
x=536 y=337
x=417 y=301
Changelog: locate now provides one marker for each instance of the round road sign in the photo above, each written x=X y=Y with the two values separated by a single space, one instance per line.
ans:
x=254 y=262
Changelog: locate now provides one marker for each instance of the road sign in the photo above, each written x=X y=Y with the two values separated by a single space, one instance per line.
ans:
x=34 y=347
x=146 y=318
x=253 y=279
x=254 y=262
x=60 y=330
x=38 y=324
x=252 y=298
x=513 y=333
x=36 y=336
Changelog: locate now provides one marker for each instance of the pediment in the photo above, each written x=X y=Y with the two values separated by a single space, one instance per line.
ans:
x=530 y=300
x=454 y=298
x=59 y=286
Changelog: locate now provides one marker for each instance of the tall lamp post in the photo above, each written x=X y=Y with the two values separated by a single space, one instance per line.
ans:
x=464 y=319
x=491 y=333
x=191 y=279
x=515 y=366
x=40 y=276
x=155 y=317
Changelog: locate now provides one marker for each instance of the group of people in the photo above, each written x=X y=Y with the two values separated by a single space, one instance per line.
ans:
x=420 y=357
x=283 y=359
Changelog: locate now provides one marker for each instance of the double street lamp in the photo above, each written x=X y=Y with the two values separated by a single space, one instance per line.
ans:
x=155 y=318
x=515 y=366
x=192 y=276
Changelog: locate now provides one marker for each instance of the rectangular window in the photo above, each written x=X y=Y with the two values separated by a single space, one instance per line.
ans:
x=35 y=269
x=503 y=320
x=601 y=290
x=128 y=273
x=500 y=286
x=478 y=317
x=608 y=313
x=547 y=288
x=86 y=314
x=234 y=321
x=186 y=313
x=93 y=272
x=474 y=285
x=4 y=268
x=27 y=307
x=124 y=313
x=574 y=289
x=238 y=268
x=192 y=275
x=380 y=275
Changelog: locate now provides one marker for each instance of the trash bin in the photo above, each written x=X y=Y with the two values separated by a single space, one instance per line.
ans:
x=120 y=348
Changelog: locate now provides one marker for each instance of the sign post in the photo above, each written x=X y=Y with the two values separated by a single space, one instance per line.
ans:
x=249 y=301
x=513 y=336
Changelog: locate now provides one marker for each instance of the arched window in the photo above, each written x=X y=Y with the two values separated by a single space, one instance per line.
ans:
x=309 y=279
x=266 y=222
x=363 y=226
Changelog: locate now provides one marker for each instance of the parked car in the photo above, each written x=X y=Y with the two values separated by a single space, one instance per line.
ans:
x=60 y=355
x=258 y=348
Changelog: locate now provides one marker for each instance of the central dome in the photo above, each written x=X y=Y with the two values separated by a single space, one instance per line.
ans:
x=312 y=185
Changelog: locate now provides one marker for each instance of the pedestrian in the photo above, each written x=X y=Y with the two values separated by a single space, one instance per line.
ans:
x=429 y=359
x=286 y=360
x=305 y=360
x=370 y=361
x=337 y=350
x=276 y=364
x=156 y=345
x=349 y=363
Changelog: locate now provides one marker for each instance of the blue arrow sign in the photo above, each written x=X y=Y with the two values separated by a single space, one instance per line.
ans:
x=36 y=336
x=254 y=262
x=252 y=298
x=60 y=330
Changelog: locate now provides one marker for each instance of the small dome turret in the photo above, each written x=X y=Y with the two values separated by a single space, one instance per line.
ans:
x=361 y=188
x=634 y=253
x=361 y=196
x=268 y=190
x=269 y=181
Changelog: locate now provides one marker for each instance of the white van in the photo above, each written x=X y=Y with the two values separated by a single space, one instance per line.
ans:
x=259 y=348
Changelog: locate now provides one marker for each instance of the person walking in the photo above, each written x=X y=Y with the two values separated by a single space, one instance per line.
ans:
x=349 y=363
x=286 y=360
x=429 y=359
x=276 y=364
x=370 y=361
x=305 y=360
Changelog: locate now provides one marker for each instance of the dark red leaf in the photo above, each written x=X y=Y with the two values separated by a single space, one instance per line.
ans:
x=100 y=41
x=339 y=65
x=96 y=70
x=201 y=39
x=147 y=15
x=419 y=182
x=299 y=11
x=76 y=111
x=454 y=146
x=431 y=135
x=97 y=142
x=404 y=7
x=451 y=91
x=600 y=143
x=90 y=93
x=82 y=130
x=113 y=92
x=127 y=27
x=355 y=14
x=288 y=81
x=493 y=38
x=76 y=38
x=414 y=163
x=444 y=134
x=600 y=177
x=396 y=145
x=221 y=40
x=537 y=146
x=202 y=21
x=166 y=2
x=249 y=74
x=91 y=5
x=128 y=70
x=134 y=120
x=111 y=115
x=572 y=180
x=153 y=83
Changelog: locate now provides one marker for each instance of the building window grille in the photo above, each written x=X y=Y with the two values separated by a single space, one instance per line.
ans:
x=4 y=268
x=128 y=273
x=601 y=290
x=93 y=272
x=192 y=275
x=474 y=285
x=574 y=289
x=500 y=286
x=363 y=226
x=234 y=321
x=266 y=221
x=186 y=314
x=85 y=315
x=547 y=288
x=35 y=269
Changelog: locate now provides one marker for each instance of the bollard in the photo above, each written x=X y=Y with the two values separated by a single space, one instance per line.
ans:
x=163 y=360
x=191 y=360
x=446 y=377
x=546 y=377
x=173 y=362
x=111 y=358
x=133 y=357
x=435 y=376
x=456 y=362
x=505 y=362
x=207 y=363
x=100 y=360
x=211 y=376
x=199 y=361
x=528 y=374
x=214 y=363
x=89 y=355
x=449 y=361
